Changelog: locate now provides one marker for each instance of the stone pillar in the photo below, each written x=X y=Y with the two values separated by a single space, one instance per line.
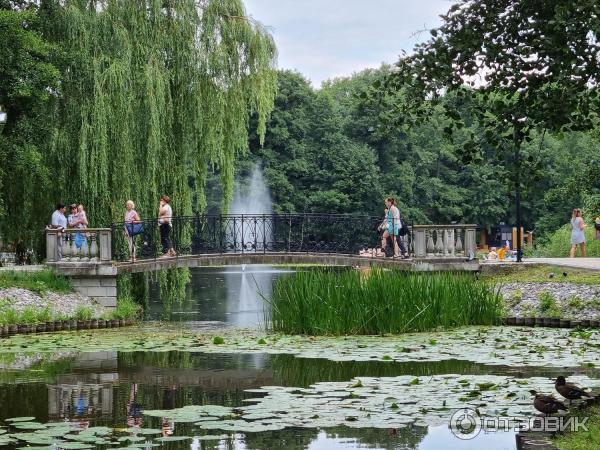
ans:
x=420 y=244
x=105 y=245
x=470 y=241
x=52 y=237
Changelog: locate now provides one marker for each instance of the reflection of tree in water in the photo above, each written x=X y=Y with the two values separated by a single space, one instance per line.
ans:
x=302 y=372
x=389 y=439
x=289 y=439
x=172 y=285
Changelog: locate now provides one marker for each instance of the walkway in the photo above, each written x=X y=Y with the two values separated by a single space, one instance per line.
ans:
x=577 y=263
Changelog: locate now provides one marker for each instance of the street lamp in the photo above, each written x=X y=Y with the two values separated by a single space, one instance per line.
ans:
x=3 y=116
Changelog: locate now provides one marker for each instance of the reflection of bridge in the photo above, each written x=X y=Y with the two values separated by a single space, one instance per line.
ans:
x=93 y=259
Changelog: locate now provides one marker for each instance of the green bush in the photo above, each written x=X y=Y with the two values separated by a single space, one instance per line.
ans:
x=83 y=313
x=29 y=316
x=548 y=306
x=558 y=244
x=126 y=309
x=350 y=302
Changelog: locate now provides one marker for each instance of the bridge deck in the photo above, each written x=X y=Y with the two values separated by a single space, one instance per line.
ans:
x=274 y=258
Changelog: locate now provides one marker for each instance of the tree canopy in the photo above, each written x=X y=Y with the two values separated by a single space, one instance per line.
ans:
x=141 y=98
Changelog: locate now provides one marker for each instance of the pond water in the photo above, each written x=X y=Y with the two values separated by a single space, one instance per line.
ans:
x=230 y=295
x=99 y=379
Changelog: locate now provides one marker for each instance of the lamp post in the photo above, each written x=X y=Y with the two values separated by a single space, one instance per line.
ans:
x=3 y=116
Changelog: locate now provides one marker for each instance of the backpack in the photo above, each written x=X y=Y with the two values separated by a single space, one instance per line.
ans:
x=404 y=227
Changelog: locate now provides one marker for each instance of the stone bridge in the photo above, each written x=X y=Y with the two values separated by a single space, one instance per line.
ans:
x=94 y=258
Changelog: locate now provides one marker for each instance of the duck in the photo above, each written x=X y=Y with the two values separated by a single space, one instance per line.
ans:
x=570 y=391
x=547 y=404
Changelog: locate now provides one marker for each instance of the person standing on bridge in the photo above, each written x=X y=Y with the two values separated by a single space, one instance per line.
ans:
x=165 y=215
x=393 y=225
x=133 y=227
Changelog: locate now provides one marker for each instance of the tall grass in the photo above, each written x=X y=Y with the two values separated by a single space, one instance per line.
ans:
x=350 y=302
x=558 y=243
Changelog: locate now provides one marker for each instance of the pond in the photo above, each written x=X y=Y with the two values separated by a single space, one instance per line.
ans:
x=169 y=384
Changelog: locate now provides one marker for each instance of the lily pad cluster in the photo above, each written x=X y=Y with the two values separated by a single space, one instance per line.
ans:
x=542 y=347
x=387 y=402
x=27 y=434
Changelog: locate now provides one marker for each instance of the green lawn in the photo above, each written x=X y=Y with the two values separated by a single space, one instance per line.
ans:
x=541 y=274
x=42 y=281
x=583 y=440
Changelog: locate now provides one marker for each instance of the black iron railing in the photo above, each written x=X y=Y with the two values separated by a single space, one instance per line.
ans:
x=290 y=233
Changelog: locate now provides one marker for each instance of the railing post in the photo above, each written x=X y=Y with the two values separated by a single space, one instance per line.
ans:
x=105 y=245
x=470 y=240
x=420 y=243
x=52 y=244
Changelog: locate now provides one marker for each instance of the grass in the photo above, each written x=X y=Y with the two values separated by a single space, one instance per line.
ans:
x=351 y=303
x=582 y=440
x=39 y=282
x=543 y=274
x=548 y=306
x=558 y=243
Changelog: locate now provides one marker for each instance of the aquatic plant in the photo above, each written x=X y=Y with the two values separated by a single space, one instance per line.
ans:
x=126 y=309
x=83 y=313
x=346 y=303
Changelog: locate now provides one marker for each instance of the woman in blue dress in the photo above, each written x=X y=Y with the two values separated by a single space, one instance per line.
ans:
x=577 y=233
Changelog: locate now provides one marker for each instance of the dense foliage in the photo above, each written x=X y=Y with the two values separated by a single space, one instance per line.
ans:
x=324 y=151
x=125 y=99
x=377 y=302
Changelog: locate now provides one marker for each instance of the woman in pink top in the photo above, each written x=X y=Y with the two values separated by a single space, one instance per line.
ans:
x=131 y=217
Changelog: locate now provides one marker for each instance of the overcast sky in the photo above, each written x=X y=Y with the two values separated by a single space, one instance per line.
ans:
x=329 y=38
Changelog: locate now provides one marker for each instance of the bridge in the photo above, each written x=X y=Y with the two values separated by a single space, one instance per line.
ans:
x=93 y=258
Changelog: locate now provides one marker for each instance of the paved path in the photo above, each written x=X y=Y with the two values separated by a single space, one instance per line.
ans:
x=30 y=268
x=579 y=263
x=576 y=263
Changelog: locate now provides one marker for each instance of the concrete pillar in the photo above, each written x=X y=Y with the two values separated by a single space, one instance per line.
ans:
x=470 y=241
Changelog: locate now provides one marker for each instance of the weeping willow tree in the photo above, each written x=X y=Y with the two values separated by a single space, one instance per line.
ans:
x=154 y=94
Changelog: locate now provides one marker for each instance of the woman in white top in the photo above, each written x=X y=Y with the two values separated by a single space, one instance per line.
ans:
x=577 y=233
x=165 y=214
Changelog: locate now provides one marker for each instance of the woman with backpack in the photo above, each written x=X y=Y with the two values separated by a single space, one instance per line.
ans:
x=577 y=233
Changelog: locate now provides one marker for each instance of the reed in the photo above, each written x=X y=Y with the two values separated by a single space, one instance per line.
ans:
x=378 y=302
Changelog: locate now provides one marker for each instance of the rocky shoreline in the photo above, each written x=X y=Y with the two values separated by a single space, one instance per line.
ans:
x=552 y=299
x=58 y=304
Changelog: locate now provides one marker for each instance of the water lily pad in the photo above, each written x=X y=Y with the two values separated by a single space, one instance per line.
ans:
x=213 y=437
x=29 y=426
x=20 y=419
x=74 y=446
x=131 y=439
x=172 y=438
x=144 y=430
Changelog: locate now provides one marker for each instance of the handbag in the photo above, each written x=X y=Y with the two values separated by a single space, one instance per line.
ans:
x=133 y=229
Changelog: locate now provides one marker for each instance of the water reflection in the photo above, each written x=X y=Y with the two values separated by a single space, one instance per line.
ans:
x=231 y=295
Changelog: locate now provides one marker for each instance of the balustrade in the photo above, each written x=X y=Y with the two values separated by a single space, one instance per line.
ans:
x=78 y=245
x=444 y=241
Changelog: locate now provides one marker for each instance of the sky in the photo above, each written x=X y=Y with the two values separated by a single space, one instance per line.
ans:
x=324 y=39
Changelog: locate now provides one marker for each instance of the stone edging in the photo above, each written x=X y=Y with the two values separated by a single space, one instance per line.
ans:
x=63 y=325
x=551 y=322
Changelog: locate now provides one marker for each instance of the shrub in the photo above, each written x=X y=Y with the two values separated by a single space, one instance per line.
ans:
x=83 y=313
x=325 y=302
x=126 y=309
